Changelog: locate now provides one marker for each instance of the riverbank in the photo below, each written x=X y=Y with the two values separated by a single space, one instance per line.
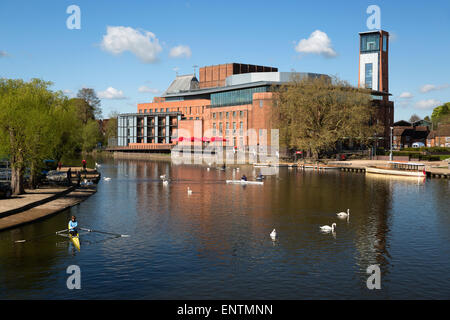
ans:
x=43 y=202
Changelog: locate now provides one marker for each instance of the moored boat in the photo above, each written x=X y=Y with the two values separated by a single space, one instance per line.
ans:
x=400 y=169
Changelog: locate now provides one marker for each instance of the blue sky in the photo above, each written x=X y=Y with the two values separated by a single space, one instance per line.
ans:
x=35 y=42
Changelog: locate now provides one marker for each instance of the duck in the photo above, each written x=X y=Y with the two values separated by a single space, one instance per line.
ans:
x=189 y=191
x=273 y=234
x=163 y=177
x=344 y=214
x=97 y=165
x=328 y=228
x=106 y=178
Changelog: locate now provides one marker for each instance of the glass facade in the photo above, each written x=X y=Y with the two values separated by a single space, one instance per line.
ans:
x=370 y=42
x=368 y=75
x=235 y=97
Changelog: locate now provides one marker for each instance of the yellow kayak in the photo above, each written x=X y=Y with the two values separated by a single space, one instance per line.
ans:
x=75 y=241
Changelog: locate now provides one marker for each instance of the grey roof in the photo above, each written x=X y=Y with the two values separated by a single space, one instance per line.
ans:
x=243 y=81
x=182 y=84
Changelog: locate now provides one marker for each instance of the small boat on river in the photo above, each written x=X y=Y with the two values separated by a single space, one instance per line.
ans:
x=244 y=182
x=400 y=169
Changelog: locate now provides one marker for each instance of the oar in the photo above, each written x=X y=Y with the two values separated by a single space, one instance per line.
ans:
x=110 y=233
x=39 y=237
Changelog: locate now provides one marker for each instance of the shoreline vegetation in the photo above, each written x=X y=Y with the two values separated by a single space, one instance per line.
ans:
x=37 y=123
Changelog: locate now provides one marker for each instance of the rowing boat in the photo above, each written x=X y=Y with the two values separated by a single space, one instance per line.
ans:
x=75 y=241
x=245 y=182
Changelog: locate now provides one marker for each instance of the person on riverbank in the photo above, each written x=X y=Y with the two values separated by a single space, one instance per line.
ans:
x=84 y=164
x=73 y=226
x=244 y=178
x=59 y=165
x=69 y=177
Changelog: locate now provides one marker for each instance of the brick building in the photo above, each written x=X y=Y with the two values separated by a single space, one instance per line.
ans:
x=232 y=103
x=439 y=137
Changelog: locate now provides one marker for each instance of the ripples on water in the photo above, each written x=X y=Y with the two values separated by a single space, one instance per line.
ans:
x=215 y=244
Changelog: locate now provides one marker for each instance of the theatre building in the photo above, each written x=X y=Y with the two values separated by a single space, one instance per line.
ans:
x=229 y=101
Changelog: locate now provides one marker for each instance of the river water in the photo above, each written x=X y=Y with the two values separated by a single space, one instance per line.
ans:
x=215 y=243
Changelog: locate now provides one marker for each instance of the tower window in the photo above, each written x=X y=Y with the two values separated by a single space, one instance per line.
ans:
x=369 y=73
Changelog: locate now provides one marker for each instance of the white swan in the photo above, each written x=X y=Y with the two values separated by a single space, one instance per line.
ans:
x=344 y=214
x=328 y=228
x=97 y=165
x=165 y=182
x=163 y=177
x=189 y=191
x=273 y=234
x=106 y=178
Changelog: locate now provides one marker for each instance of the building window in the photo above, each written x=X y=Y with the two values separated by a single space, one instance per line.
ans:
x=260 y=103
x=385 y=38
x=241 y=114
x=370 y=42
x=234 y=127
x=214 y=115
x=227 y=128
x=234 y=114
x=220 y=115
x=369 y=74
x=220 y=128
x=227 y=115
x=167 y=109
x=214 y=129
x=241 y=128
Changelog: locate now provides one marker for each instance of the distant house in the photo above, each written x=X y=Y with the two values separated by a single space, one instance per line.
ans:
x=439 y=137
x=406 y=133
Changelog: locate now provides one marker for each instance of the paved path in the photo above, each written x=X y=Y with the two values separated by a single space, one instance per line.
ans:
x=40 y=211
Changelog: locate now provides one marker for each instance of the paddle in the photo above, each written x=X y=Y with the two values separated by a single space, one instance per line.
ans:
x=109 y=233
x=39 y=237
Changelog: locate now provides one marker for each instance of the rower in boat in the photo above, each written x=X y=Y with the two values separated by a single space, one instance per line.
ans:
x=73 y=226
x=260 y=177
x=244 y=178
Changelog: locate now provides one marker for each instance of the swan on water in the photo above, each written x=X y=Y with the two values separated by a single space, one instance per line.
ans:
x=163 y=177
x=189 y=191
x=273 y=234
x=328 y=228
x=97 y=165
x=165 y=182
x=344 y=214
x=106 y=178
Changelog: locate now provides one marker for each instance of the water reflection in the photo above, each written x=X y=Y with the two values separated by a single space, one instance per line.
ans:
x=215 y=242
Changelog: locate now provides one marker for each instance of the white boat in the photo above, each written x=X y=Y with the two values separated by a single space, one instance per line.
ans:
x=400 y=169
x=245 y=182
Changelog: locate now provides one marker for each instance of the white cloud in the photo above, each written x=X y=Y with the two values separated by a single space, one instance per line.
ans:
x=317 y=43
x=3 y=54
x=406 y=95
x=427 y=104
x=180 y=52
x=111 y=93
x=145 y=89
x=431 y=87
x=143 y=44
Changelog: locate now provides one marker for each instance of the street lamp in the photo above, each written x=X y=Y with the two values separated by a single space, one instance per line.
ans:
x=390 y=154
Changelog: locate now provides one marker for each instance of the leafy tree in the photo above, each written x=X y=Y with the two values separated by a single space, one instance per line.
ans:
x=27 y=126
x=314 y=114
x=427 y=118
x=414 y=118
x=93 y=109
x=441 y=115
x=111 y=127
x=91 y=136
